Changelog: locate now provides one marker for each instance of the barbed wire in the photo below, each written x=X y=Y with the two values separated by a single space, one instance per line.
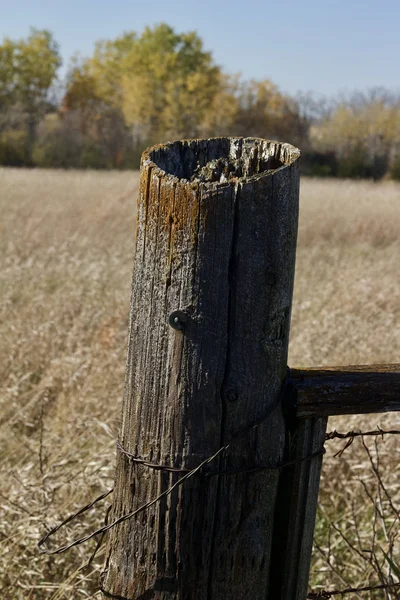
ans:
x=186 y=475
x=353 y=434
x=349 y=436
x=107 y=527
x=147 y=505
x=326 y=594
x=72 y=517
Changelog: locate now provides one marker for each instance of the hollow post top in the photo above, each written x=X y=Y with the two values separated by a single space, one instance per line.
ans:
x=221 y=160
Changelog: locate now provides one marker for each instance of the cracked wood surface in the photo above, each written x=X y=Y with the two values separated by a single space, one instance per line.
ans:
x=216 y=239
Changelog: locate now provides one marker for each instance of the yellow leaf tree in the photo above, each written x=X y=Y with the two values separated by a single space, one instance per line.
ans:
x=163 y=82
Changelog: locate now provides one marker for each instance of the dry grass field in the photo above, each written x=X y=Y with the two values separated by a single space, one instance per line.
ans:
x=66 y=247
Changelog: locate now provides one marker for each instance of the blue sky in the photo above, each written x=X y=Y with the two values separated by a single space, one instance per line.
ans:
x=323 y=46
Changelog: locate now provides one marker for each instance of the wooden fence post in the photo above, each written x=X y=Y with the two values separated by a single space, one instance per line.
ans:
x=210 y=311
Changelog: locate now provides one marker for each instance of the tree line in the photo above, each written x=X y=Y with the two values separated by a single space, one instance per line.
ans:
x=141 y=89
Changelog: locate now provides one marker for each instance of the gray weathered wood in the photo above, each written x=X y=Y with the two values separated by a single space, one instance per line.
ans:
x=352 y=390
x=216 y=240
x=297 y=508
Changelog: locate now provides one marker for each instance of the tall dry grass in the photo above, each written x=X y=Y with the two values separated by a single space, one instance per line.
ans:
x=66 y=246
x=347 y=311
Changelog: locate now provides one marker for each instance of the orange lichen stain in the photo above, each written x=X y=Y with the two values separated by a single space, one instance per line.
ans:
x=172 y=208
x=144 y=188
x=152 y=201
x=183 y=210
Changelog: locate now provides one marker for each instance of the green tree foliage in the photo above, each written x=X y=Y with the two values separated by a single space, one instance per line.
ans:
x=7 y=77
x=28 y=68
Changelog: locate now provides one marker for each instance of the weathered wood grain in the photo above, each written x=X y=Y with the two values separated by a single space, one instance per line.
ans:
x=297 y=508
x=216 y=239
x=351 y=390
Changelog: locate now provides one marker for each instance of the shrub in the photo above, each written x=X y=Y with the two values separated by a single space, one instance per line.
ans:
x=58 y=148
x=395 y=169
x=318 y=164
x=357 y=164
x=92 y=157
x=65 y=147
x=354 y=164
x=14 y=149
x=131 y=155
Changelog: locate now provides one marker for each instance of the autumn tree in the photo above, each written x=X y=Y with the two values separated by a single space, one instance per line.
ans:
x=95 y=116
x=363 y=131
x=144 y=88
x=166 y=86
x=223 y=113
x=163 y=82
x=264 y=111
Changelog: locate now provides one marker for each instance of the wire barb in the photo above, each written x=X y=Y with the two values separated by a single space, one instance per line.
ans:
x=353 y=434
